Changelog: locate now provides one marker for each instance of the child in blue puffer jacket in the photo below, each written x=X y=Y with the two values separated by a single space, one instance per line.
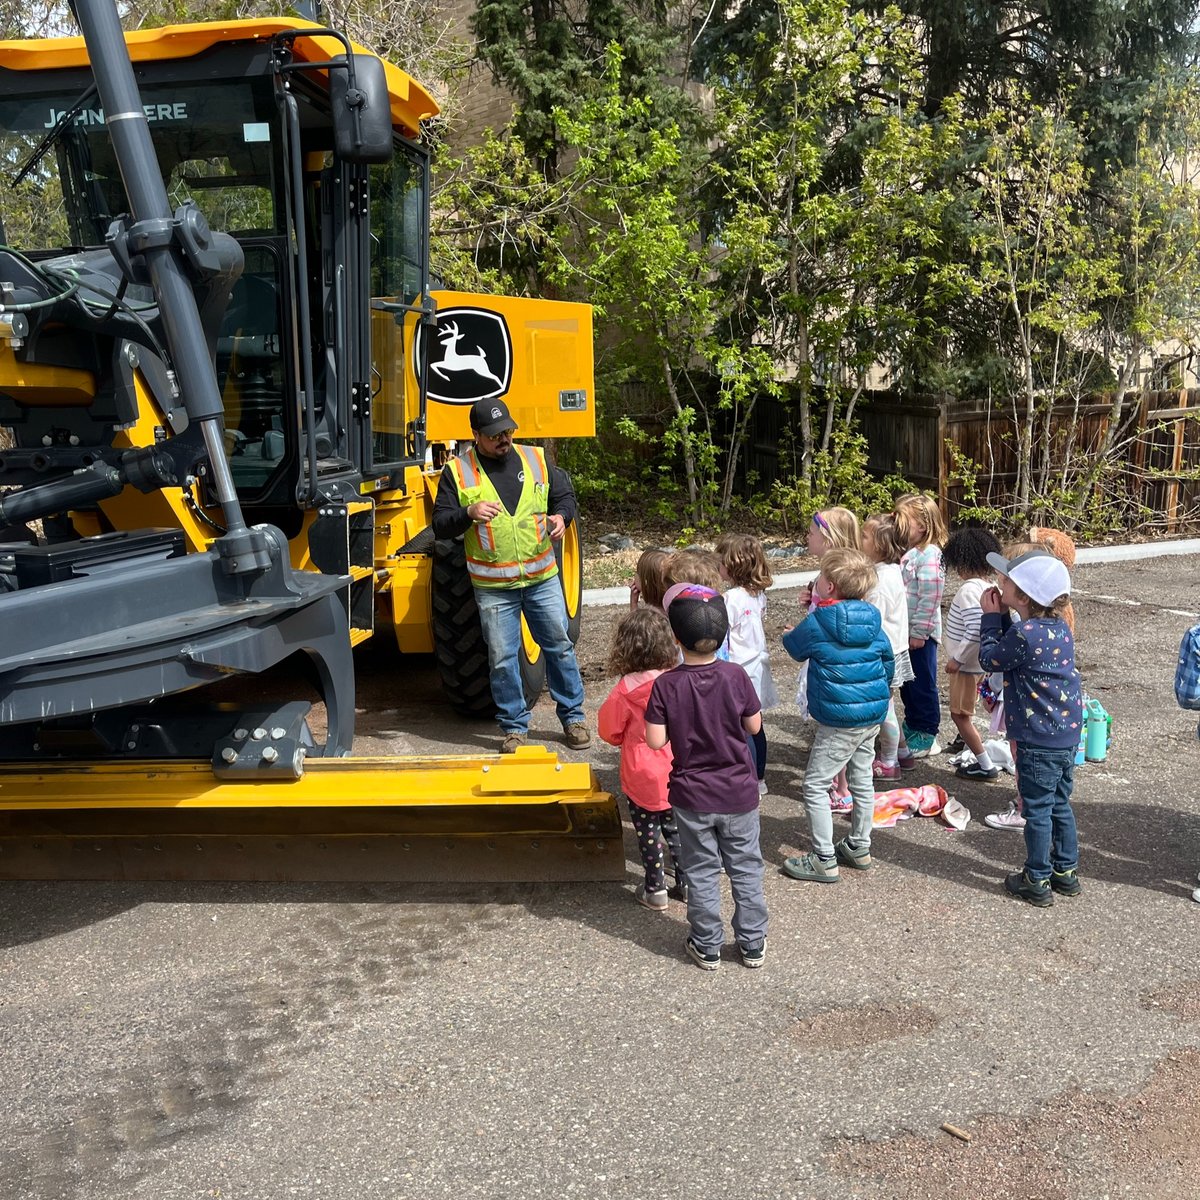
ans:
x=850 y=668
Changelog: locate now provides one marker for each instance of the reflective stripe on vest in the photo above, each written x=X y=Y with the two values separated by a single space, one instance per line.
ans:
x=513 y=547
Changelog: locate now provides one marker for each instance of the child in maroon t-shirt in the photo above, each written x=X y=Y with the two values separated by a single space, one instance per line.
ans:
x=705 y=708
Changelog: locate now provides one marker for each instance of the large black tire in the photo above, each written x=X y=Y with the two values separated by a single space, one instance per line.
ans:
x=458 y=643
x=457 y=636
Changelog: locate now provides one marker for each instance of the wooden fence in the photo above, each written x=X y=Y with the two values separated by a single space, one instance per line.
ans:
x=1158 y=446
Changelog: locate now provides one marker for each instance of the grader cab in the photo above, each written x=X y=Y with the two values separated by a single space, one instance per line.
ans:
x=229 y=389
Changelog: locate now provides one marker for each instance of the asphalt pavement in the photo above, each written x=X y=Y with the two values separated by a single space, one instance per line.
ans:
x=363 y=1041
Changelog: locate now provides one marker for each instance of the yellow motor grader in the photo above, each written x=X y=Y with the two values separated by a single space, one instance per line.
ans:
x=229 y=388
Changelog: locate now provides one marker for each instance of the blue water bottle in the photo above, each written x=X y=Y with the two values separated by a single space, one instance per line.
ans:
x=1097 y=732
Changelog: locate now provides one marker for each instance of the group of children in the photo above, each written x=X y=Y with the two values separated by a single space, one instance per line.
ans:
x=695 y=679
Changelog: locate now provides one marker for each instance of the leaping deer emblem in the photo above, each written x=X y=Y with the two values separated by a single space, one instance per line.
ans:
x=453 y=361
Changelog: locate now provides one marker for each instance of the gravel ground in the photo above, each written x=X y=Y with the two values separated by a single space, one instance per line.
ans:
x=389 y=1040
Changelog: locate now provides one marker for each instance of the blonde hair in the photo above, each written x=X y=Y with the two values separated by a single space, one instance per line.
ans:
x=850 y=571
x=643 y=641
x=651 y=576
x=840 y=527
x=694 y=566
x=742 y=556
x=919 y=510
x=885 y=535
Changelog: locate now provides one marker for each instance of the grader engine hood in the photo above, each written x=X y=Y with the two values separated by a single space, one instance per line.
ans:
x=535 y=354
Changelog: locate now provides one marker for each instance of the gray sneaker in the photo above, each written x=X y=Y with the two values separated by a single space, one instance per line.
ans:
x=858 y=857
x=654 y=900
x=811 y=869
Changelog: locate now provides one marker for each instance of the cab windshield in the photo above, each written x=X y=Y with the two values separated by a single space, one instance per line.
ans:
x=216 y=145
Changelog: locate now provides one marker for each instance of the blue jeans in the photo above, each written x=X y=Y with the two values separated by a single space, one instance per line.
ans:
x=922 y=709
x=545 y=612
x=1046 y=776
x=708 y=841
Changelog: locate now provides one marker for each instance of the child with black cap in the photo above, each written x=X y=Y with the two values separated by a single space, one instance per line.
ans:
x=705 y=708
x=1043 y=706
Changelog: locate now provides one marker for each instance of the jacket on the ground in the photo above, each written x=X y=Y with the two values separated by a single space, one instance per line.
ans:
x=850 y=663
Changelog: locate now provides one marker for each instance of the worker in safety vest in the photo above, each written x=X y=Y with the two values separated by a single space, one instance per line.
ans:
x=510 y=507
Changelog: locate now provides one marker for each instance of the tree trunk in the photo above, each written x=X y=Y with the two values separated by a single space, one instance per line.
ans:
x=689 y=457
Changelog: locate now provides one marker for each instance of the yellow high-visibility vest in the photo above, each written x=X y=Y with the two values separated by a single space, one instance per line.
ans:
x=513 y=548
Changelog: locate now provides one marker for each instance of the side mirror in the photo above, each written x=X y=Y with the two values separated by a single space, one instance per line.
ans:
x=362 y=115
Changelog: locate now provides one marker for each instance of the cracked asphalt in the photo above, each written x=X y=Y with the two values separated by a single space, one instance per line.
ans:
x=362 y=1041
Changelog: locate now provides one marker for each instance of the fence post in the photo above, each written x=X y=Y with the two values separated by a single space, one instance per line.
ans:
x=1176 y=466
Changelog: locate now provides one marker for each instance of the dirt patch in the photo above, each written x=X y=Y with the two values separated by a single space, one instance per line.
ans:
x=1078 y=1146
x=851 y=1027
x=1182 y=1001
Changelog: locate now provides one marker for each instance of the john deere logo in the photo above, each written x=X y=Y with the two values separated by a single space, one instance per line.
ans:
x=470 y=356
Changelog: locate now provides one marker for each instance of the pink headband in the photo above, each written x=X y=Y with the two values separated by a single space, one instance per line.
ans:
x=695 y=591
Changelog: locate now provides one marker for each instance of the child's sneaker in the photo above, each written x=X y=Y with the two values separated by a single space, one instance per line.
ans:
x=841 y=804
x=754 y=955
x=975 y=771
x=957 y=746
x=1033 y=891
x=1010 y=818
x=905 y=761
x=678 y=892
x=811 y=868
x=654 y=900
x=880 y=770
x=923 y=745
x=858 y=857
x=1066 y=883
x=706 y=962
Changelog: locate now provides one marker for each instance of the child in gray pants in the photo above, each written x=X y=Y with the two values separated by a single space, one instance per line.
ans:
x=705 y=708
x=850 y=667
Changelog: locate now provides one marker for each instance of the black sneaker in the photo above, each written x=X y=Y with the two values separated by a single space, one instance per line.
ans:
x=1066 y=883
x=975 y=771
x=1033 y=891
x=754 y=955
x=678 y=892
x=706 y=962
x=957 y=746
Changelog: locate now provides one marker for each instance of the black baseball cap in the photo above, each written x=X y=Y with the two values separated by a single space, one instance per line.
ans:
x=491 y=417
x=698 y=617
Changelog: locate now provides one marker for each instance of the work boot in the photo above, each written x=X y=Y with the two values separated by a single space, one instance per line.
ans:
x=511 y=742
x=576 y=735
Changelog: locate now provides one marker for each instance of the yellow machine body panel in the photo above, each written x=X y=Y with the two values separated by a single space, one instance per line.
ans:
x=40 y=384
x=548 y=386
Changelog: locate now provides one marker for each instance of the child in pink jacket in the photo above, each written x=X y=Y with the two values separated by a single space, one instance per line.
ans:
x=643 y=648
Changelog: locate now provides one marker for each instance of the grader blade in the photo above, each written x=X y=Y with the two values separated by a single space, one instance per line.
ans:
x=521 y=818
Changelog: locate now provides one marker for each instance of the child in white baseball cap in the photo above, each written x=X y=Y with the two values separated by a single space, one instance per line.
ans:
x=1043 y=705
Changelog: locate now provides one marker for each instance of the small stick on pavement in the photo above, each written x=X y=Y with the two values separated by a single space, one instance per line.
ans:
x=954 y=1131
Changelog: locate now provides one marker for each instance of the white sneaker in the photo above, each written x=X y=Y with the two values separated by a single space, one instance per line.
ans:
x=762 y=787
x=1009 y=819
